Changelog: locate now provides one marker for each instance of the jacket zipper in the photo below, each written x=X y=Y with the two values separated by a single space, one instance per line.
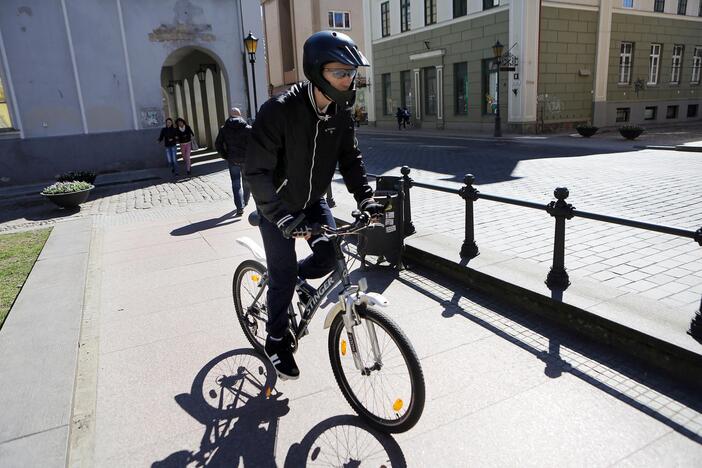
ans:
x=314 y=153
x=285 y=182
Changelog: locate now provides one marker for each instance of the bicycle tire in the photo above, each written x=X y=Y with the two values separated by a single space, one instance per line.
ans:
x=338 y=353
x=254 y=328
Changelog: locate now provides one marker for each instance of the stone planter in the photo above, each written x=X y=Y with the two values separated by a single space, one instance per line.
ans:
x=586 y=131
x=69 y=199
x=631 y=133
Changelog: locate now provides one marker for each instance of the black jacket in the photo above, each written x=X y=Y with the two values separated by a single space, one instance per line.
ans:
x=232 y=140
x=186 y=135
x=294 y=150
x=168 y=136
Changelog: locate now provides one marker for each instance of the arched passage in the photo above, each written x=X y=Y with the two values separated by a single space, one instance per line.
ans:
x=197 y=82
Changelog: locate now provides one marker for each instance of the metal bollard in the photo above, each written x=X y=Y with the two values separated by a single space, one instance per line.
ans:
x=557 y=278
x=407 y=212
x=470 y=194
x=695 y=330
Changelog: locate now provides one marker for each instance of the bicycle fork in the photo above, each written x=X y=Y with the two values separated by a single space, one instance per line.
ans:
x=351 y=320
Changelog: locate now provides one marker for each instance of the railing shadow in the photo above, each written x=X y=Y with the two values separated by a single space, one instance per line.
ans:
x=234 y=398
x=345 y=441
x=600 y=366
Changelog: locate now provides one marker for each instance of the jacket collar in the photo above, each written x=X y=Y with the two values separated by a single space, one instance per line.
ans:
x=320 y=115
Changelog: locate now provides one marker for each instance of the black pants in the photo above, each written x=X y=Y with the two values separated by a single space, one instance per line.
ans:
x=284 y=268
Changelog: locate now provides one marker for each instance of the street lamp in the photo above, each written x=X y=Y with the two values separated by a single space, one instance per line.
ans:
x=201 y=74
x=251 y=43
x=497 y=50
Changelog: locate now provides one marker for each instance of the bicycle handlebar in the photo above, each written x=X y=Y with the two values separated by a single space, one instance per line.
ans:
x=361 y=221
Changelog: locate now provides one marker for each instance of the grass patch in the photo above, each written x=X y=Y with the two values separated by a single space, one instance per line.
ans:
x=18 y=252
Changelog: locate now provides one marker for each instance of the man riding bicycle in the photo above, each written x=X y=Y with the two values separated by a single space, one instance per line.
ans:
x=297 y=141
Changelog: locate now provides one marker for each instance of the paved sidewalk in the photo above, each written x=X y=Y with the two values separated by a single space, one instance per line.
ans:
x=168 y=335
x=502 y=388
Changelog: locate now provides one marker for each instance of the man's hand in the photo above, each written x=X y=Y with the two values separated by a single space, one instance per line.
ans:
x=295 y=228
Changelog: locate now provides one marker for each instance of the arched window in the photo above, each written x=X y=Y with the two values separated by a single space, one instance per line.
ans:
x=5 y=120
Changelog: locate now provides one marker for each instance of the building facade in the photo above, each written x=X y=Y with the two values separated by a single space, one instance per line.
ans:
x=87 y=85
x=288 y=24
x=608 y=62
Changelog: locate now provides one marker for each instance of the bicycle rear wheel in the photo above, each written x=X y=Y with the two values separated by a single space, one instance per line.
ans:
x=388 y=391
x=251 y=312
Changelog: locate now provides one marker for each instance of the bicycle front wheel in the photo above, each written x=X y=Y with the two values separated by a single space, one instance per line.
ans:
x=250 y=302
x=388 y=390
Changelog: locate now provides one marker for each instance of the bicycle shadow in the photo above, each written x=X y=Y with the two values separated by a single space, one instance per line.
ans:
x=234 y=398
x=606 y=371
x=345 y=440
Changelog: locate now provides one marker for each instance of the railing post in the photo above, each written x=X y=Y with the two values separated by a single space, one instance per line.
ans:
x=407 y=184
x=695 y=330
x=557 y=278
x=470 y=194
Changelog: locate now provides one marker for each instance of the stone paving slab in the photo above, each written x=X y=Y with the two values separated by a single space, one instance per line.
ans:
x=39 y=349
x=501 y=389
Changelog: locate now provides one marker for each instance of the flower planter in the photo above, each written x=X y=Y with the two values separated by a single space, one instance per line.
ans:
x=631 y=133
x=69 y=199
x=586 y=131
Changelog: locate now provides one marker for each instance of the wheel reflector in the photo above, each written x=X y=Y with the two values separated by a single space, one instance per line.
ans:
x=255 y=278
x=268 y=392
x=398 y=404
x=343 y=347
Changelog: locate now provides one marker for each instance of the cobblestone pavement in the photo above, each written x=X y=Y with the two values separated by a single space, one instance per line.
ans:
x=650 y=185
x=660 y=187
x=119 y=203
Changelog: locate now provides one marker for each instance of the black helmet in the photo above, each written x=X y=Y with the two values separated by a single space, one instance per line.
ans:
x=331 y=46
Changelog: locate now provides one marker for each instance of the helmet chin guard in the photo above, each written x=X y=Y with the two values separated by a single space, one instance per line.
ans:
x=331 y=46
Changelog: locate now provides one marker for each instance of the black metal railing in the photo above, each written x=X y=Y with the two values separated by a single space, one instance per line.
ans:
x=557 y=278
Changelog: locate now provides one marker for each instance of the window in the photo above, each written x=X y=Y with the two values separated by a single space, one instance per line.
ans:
x=623 y=114
x=385 y=19
x=659 y=6
x=682 y=7
x=406 y=88
x=487 y=4
x=654 y=62
x=691 y=111
x=5 y=122
x=677 y=63
x=429 y=11
x=489 y=101
x=460 y=79
x=625 y=54
x=430 y=91
x=672 y=112
x=460 y=8
x=628 y=4
x=387 y=96
x=404 y=15
x=339 y=20
x=650 y=113
x=696 y=64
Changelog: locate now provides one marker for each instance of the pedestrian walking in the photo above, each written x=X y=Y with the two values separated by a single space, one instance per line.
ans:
x=184 y=135
x=405 y=117
x=169 y=138
x=400 y=116
x=231 y=143
x=296 y=142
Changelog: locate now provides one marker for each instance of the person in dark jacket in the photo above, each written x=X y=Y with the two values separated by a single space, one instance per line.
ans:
x=168 y=137
x=184 y=135
x=231 y=144
x=400 y=116
x=296 y=142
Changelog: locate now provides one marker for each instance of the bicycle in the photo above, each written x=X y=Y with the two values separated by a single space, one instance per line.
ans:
x=374 y=365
